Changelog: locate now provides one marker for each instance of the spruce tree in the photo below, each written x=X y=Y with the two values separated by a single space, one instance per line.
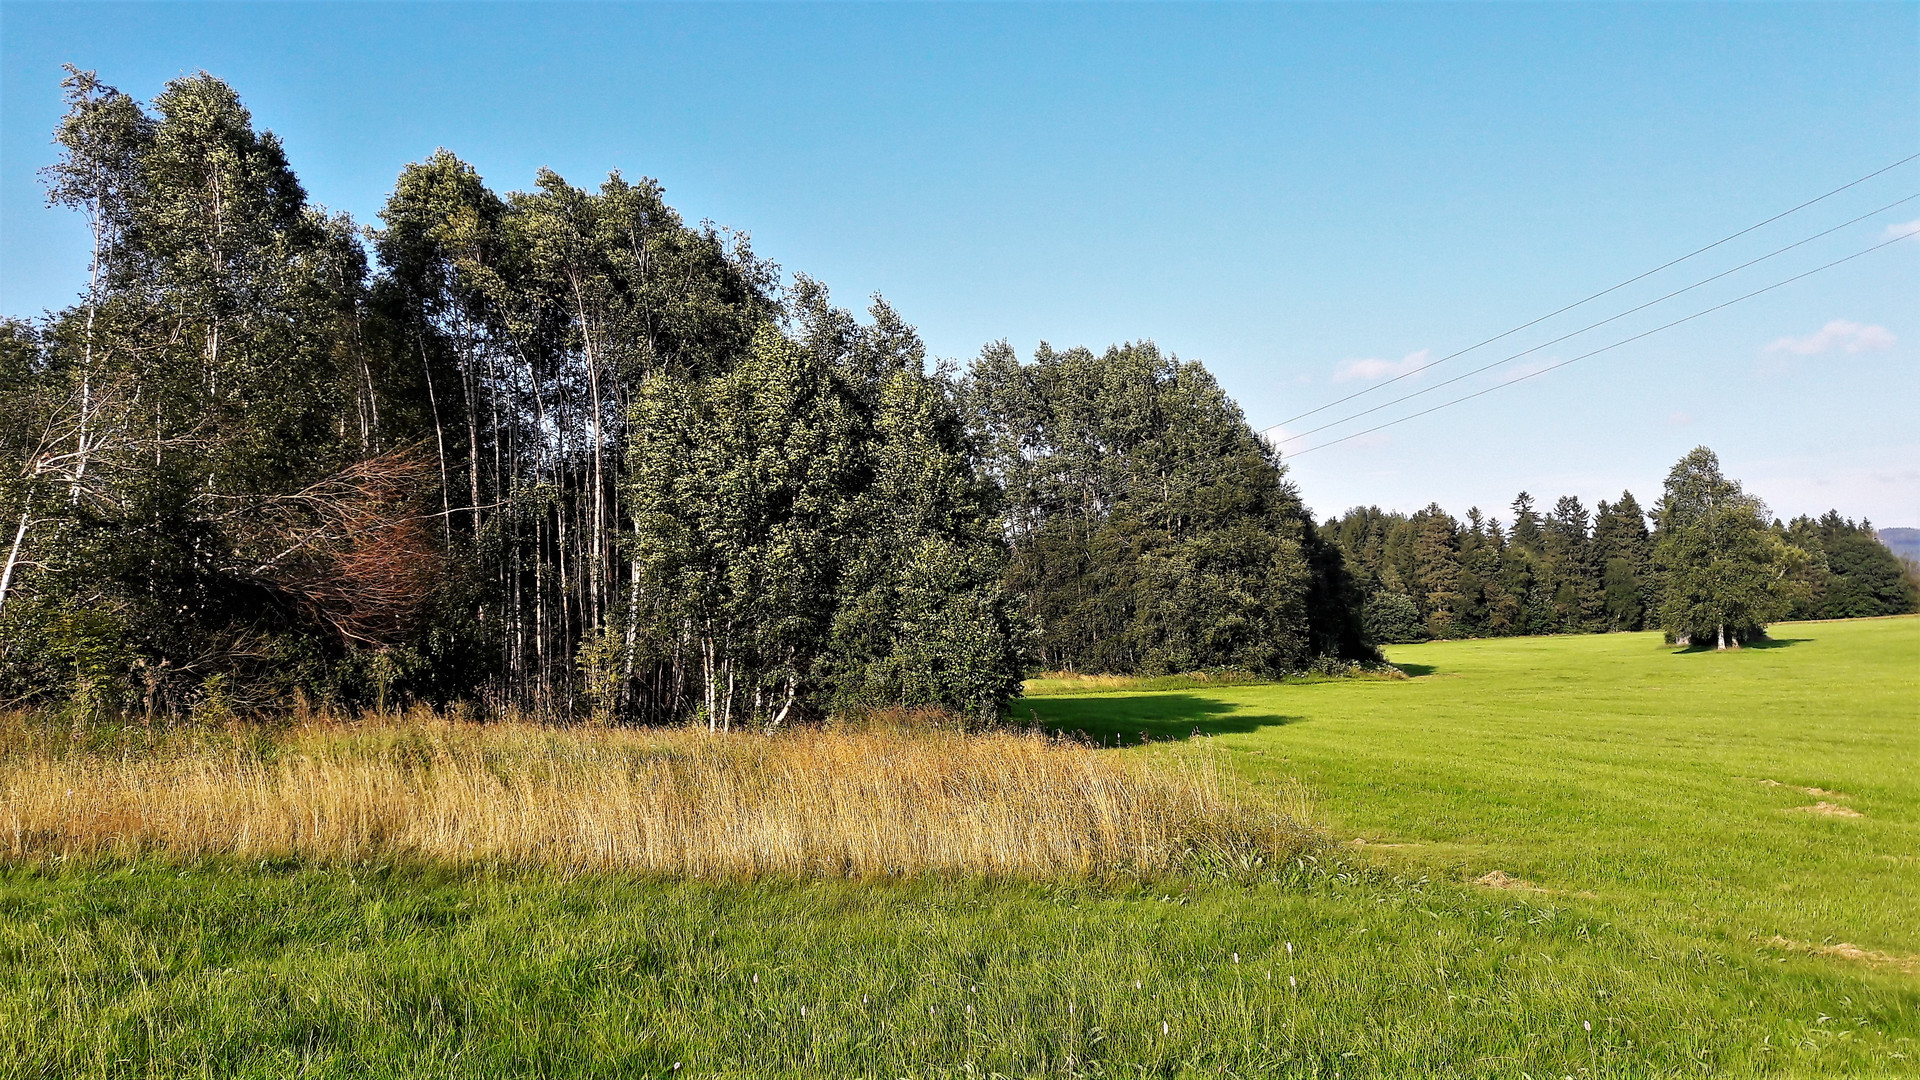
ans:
x=1571 y=579
x=1623 y=550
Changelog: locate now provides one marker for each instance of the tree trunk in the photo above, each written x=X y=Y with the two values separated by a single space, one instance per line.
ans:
x=1723 y=639
x=13 y=555
x=706 y=674
x=598 y=561
x=473 y=449
x=439 y=435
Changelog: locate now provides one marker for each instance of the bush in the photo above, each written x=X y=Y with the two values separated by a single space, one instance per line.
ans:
x=1392 y=617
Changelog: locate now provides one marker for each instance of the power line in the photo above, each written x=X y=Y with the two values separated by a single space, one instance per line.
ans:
x=1593 y=326
x=1603 y=292
x=1596 y=352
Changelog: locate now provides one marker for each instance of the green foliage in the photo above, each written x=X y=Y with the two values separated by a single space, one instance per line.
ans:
x=166 y=426
x=1862 y=578
x=1623 y=550
x=1724 y=574
x=563 y=451
x=1430 y=576
x=92 y=644
x=810 y=530
x=1393 y=617
x=1152 y=530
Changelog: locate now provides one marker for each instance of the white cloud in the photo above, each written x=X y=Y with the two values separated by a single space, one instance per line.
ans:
x=1904 y=228
x=1840 y=334
x=1371 y=369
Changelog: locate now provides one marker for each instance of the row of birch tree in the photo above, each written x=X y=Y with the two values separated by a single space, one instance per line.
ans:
x=562 y=451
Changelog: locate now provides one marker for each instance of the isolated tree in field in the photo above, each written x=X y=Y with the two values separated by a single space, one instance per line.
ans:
x=1725 y=574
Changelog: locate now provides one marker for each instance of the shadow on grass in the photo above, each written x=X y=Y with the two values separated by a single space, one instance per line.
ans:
x=1763 y=643
x=1417 y=670
x=1130 y=719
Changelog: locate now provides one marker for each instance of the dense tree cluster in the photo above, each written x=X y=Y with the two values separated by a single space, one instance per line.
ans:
x=561 y=451
x=1704 y=561
x=1862 y=578
x=1152 y=531
x=1430 y=575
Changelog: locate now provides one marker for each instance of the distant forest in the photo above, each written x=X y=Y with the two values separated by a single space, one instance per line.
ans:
x=560 y=453
x=1567 y=570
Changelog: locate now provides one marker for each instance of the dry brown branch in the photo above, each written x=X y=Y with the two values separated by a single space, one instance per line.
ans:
x=354 y=551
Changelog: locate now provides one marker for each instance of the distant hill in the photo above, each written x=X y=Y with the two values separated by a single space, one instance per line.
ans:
x=1904 y=542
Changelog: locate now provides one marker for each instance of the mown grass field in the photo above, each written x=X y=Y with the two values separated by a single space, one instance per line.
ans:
x=1669 y=918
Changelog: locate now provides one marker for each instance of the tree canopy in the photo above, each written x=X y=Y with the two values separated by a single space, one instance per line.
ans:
x=1710 y=550
x=1152 y=530
x=561 y=451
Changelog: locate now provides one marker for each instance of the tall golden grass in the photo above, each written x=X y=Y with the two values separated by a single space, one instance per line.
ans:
x=837 y=803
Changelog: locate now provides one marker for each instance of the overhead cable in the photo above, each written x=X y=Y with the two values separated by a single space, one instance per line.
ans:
x=1603 y=292
x=1592 y=326
x=1602 y=349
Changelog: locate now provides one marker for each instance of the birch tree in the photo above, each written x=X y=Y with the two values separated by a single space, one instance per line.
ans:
x=1724 y=573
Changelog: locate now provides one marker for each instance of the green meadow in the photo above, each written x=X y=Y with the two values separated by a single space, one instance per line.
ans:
x=1668 y=786
x=1572 y=856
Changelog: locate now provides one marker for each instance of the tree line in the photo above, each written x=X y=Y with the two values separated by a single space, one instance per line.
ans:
x=562 y=451
x=1704 y=563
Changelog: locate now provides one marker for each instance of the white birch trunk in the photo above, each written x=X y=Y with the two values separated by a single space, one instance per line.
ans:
x=13 y=554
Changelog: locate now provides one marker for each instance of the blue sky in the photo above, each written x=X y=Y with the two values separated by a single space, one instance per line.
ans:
x=1303 y=197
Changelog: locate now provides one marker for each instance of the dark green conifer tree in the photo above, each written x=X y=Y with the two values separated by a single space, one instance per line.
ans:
x=1623 y=550
x=1855 y=574
x=1570 y=578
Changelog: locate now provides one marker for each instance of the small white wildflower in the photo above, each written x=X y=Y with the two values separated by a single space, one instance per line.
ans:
x=1163 y=1027
x=1236 y=958
x=863 y=999
x=1291 y=981
x=1588 y=1024
x=803 y=1010
x=756 y=978
x=1289 y=948
x=969 y=1009
x=1136 y=984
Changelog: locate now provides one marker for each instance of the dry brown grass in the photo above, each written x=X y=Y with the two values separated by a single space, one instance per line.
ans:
x=837 y=803
x=1082 y=681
